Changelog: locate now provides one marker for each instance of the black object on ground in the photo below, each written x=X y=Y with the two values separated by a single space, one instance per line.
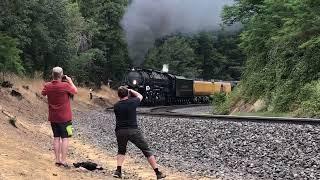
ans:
x=88 y=165
x=16 y=94
x=13 y=121
x=6 y=84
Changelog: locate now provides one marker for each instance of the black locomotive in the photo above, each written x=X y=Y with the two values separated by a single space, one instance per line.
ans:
x=160 y=88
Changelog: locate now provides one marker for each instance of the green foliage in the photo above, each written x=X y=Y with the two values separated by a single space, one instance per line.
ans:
x=85 y=38
x=223 y=102
x=79 y=66
x=176 y=52
x=281 y=42
x=219 y=55
x=220 y=105
x=9 y=55
x=65 y=33
x=309 y=98
x=48 y=31
x=207 y=55
x=108 y=38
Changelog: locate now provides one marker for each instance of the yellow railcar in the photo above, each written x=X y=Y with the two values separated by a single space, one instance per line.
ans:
x=205 y=88
x=222 y=87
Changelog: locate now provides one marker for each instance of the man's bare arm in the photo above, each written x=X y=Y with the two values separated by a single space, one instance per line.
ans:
x=72 y=84
x=136 y=94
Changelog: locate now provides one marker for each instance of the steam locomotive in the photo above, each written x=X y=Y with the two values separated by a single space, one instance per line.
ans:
x=161 y=88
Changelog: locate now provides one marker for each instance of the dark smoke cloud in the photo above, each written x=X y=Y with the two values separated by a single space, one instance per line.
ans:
x=147 y=20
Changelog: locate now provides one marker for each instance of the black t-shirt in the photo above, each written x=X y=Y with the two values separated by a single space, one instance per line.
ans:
x=126 y=113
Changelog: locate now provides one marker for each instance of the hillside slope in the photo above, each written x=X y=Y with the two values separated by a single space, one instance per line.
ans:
x=26 y=151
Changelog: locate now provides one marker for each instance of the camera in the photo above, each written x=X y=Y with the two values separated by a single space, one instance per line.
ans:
x=64 y=78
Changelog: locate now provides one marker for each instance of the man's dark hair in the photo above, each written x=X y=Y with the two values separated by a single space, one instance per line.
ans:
x=123 y=92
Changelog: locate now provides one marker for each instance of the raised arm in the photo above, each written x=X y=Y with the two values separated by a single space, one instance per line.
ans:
x=73 y=89
x=136 y=94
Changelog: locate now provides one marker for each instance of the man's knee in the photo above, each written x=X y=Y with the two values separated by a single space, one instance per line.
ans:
x=147 y=153
x=122 y=151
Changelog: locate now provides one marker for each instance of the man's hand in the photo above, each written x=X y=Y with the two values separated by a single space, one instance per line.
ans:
x=69 y=80
x=136 y=94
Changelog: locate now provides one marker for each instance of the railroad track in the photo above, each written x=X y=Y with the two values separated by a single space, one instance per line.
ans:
x=167 y=111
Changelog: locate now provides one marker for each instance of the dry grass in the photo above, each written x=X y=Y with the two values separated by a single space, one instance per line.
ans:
x=34 y=84
x=102 y=97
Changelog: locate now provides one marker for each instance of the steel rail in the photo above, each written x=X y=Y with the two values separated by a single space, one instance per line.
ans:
x=166 y=111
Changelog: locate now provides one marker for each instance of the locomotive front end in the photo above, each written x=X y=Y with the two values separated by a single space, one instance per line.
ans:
x=154 y=85
x=134 y=79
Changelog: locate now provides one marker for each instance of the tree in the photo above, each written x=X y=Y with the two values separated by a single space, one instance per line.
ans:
x=50 y=33
x=176 y=52
x=108 y=38
x=219 y=55
x=281 y=42
x=86 y=39
x=9 y=56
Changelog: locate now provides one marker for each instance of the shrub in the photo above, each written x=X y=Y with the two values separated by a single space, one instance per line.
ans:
x=309 y=100
x=9 y=55
x=223 y=103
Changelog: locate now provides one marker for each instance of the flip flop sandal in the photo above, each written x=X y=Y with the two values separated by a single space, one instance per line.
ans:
x=57 y=164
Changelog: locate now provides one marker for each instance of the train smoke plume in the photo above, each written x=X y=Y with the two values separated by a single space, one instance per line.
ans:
x=147 y=20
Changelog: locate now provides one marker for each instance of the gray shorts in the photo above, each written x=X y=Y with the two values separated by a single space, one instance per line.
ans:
x=136 y=137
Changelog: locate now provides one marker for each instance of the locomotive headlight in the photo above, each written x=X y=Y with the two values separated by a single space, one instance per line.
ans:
x=134 y=78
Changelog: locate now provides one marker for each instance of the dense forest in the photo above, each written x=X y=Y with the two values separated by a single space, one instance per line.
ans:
x=281 y=41
x=85 y=37
x=276 y=52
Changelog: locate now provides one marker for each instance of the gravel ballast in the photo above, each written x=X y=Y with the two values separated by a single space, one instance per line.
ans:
x=198 y=110
x=227 y=149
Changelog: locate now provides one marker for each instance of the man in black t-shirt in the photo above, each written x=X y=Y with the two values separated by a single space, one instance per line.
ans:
x=127 y=129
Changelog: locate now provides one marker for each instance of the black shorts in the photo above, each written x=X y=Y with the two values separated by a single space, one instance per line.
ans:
x=63 y=130
x=136 y=137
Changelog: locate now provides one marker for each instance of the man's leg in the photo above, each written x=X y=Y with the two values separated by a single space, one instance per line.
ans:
x=120 y=159
x=66 y=132
x=56 y=142
x=64 y=150
x=138 y=139
x=152 y=161
x=56 y=148
x=122 y=140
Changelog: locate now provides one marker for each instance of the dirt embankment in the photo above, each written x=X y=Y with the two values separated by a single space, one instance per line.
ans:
x=248 y=107
x=26 y=151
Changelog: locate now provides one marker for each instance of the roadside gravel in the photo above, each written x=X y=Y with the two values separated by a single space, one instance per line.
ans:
x=227 y=149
